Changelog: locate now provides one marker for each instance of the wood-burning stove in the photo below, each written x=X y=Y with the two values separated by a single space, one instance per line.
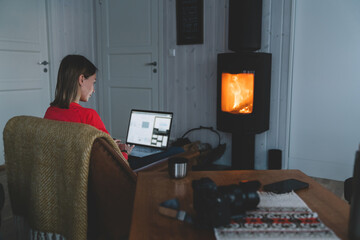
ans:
x=243 y=101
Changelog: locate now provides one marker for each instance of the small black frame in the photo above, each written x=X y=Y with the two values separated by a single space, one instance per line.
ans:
x=189 y=22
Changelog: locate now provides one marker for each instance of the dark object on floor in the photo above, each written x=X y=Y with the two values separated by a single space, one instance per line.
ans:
x=348 y=189
x=2 y=199
x=354 y=220
x=274 y=159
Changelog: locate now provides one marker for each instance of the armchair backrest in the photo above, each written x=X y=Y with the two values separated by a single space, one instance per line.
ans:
x=111 y=193
x=68 y=178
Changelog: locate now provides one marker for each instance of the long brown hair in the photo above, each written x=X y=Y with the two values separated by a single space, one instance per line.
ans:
x=71 y=67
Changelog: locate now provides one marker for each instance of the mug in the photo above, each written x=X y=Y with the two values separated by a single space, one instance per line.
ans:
x=177 y=167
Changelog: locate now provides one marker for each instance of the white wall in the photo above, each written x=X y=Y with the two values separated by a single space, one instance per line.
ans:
x=190 y=76
x=276 y=29
x=325 y=113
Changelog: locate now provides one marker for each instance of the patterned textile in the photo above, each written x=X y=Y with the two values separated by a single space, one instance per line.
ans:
x=47 y=164
x=279 y=216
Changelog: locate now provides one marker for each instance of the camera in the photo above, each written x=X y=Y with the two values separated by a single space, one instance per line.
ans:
x=217 y=205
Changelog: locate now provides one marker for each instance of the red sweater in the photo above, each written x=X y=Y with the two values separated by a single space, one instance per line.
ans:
x=79 y=114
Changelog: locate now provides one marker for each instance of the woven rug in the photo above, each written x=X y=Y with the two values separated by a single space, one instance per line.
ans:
x=279 y=216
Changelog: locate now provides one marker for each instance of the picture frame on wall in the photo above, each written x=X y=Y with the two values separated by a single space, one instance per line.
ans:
x=189 y=22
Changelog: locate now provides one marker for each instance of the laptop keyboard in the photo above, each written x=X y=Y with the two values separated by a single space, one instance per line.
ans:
x=139 y=163
x=140 y=151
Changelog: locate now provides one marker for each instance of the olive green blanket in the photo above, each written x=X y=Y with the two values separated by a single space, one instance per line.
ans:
x=47 y=164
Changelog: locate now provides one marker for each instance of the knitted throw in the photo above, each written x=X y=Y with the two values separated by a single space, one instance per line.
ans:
x=278 y=216
x=47 y=164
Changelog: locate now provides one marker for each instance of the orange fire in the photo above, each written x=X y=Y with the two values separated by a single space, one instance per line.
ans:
x=237 y=93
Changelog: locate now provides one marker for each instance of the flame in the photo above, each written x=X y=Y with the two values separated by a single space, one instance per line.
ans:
x=237 y=93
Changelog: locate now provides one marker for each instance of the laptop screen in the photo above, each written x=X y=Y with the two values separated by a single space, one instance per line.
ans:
x=149 y=128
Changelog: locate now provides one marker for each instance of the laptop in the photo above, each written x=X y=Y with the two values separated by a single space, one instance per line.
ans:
x=149 y=131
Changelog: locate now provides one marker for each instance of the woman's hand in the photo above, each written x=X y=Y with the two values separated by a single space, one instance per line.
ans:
x=124 y=147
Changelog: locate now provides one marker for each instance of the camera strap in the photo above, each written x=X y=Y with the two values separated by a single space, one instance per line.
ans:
x=170 y=208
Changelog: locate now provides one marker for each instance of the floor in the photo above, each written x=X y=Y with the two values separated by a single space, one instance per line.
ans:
x=7 y=230
x=337 y=187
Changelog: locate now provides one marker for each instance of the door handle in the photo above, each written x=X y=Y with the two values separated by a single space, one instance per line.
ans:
x=152 y=64
x=43 y=63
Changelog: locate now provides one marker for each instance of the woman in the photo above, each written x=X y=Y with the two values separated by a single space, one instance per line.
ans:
x=75 y=82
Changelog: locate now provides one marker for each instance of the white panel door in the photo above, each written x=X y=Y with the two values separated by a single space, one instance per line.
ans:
x=129 y=33
x=24 y=84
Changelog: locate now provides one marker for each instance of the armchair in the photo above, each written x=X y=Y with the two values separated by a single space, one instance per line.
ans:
x=68 y=179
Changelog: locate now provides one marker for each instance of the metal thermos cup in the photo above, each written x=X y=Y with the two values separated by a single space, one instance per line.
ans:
x=177 y=167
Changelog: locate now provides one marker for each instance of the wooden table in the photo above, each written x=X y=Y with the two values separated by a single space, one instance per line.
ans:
x=155 y=187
